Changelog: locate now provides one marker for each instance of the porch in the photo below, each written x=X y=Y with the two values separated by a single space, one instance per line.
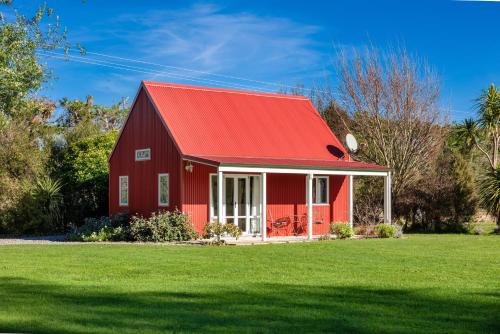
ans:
x=243 y=198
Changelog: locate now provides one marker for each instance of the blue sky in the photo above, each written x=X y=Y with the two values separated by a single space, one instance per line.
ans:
x=286 y=42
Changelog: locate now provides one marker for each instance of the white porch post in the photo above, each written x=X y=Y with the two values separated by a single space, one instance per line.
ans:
x=220 y=185
x=263 y=215
x=387 y=199
x=309 y=206
x=351 y=200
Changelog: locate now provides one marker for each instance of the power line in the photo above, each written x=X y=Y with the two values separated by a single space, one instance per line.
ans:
x=268 y=83
x=145 y=71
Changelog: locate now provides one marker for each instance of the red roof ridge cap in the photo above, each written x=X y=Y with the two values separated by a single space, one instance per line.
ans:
x=225 y=90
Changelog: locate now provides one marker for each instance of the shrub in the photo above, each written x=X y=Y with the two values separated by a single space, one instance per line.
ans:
x=342 y=230
x=215 y=230
x=93 y=229
x=162 y=226
x=232 y=230
x=386 y=231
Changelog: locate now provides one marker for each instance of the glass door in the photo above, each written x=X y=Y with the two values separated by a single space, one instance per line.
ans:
x=242 y=202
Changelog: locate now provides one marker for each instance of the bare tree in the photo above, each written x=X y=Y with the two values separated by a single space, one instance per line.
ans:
x=392 y=99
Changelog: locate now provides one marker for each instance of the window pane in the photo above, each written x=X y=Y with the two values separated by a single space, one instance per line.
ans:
x=242 y=202
x=242 y=224
x=322 y=191
x=254 y=225
x=254 y=196
x=215 y=202
x=229 y=197
x=163 y=189
x=123 y=190
x=314 y=190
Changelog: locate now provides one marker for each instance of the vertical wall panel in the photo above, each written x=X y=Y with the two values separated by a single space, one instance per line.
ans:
x=144 y=129
x=339 y=197
x=196 y=194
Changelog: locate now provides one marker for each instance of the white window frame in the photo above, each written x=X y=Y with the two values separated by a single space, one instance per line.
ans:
x=318 y=192
x=159 y=190
x=143 y=150
x=212 y=214
x=120 y=199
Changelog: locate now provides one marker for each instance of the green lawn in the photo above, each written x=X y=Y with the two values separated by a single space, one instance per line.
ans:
x=423 y=283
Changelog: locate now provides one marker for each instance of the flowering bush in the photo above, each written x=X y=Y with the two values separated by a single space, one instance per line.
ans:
x=215 y=230
x=342 y=230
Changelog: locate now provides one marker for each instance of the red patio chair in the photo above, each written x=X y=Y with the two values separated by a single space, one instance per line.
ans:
x=279 y=224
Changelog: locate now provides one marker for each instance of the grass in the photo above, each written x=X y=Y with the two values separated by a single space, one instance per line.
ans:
x=422 y=284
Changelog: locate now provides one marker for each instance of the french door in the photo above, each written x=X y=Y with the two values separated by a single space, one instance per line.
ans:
x=242 y=202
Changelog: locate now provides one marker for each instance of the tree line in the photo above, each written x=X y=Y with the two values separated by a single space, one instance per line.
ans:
x=54 y=170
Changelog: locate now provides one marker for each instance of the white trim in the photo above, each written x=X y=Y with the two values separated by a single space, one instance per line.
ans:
x=263 y=199
x=315 y=180
x=143 y=150
x=220 y=201
x=159 y=190
x=350 y=195
x=387 y=199
x=310 y=178
x=120 y=202
x=235 y=169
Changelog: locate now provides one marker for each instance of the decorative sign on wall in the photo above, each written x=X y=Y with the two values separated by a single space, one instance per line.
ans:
x=143 y=154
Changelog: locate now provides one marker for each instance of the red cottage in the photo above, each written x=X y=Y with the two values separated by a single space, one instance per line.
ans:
x=282 y=170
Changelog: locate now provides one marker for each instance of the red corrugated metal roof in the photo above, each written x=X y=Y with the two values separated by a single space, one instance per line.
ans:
x=233 y=126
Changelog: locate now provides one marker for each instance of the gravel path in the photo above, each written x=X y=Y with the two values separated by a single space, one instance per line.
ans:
x=51 y=239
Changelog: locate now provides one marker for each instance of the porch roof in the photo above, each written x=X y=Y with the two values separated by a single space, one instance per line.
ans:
x=266 y=162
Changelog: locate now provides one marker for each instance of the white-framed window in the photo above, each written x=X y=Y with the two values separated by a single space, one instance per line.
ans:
x=214 y=203
x=320 y=190
x=123 y=190
x=163 y=189
x=143 y=154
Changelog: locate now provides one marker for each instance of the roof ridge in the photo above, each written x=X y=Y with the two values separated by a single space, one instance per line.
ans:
x=225 y=90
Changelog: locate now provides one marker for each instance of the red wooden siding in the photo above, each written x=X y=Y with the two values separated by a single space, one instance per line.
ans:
x=339 y=198
x=196 y=197
x=144 y=129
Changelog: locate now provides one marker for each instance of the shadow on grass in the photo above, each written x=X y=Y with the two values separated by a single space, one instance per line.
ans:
x=30 y=306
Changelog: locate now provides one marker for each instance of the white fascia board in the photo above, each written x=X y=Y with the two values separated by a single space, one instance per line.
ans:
x=236 y=169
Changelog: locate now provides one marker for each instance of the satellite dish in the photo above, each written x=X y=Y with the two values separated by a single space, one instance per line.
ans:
x=351 y=142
